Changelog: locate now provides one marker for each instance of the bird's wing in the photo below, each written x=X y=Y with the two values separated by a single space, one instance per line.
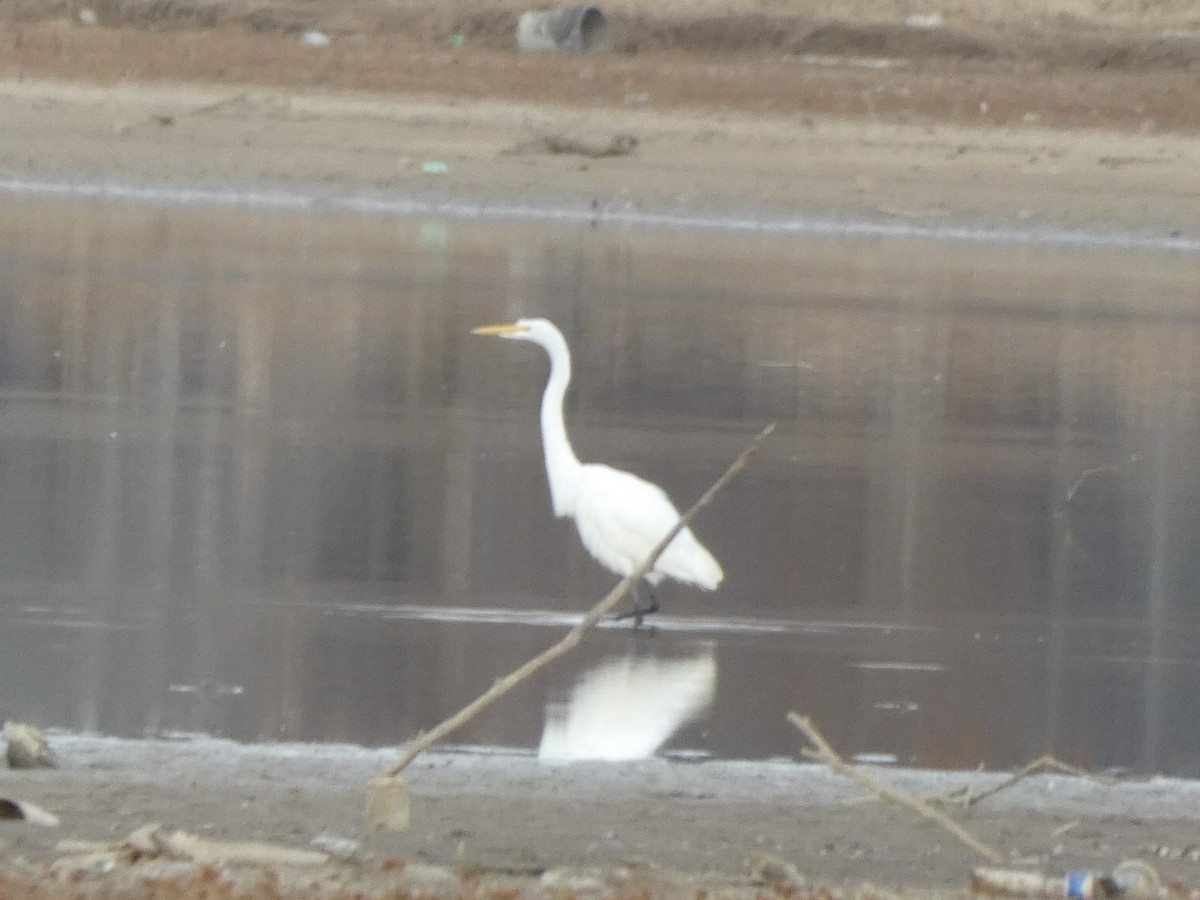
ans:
x=622 y=517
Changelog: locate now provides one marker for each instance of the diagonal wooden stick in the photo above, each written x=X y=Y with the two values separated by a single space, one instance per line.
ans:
x=829 y=756
x=427 y=739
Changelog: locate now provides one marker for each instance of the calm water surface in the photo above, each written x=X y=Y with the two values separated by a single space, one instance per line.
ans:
x=258 y=480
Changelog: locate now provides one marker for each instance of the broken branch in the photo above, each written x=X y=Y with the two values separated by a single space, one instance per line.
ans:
x=1041 y=764
x=830 y=757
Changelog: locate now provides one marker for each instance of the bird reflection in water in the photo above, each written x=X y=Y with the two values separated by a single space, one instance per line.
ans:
x=627 y=707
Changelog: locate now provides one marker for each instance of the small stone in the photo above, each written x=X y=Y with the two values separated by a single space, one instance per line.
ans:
x=27 y=747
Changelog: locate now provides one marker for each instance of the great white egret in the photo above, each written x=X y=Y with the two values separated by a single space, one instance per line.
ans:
x=620 y=517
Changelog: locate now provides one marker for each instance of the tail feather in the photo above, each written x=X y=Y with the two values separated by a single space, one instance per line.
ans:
x=687 y=560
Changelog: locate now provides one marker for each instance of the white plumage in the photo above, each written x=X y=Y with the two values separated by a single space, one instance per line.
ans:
x=620 y=517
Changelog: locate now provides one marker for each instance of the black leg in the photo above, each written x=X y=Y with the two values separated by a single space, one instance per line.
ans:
x=639 y=612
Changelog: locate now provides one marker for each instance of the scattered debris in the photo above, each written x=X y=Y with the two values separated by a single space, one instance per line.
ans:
x=619 y=144
x=242 y=98
x=434 y=167
x=826 y=754
x=21 y=811
x=1191 y=852
x=314 y=38
x=1064 y=829
x=155 y=842
x=27 y=747
x=87 y=17
x=1132 y=879
x=1045 y=763
x=1018 y=883
x=961 y=795
x=387 y=803
x=833 y=62
x=924 y=21
x=571 y=882
x=572 y=29
x=783 y=877
x=192 y=848
x=345 y=849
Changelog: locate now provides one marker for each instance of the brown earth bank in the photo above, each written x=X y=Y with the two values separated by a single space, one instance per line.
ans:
x=1065 y=112
x=1050 y=71
x=1076 y=114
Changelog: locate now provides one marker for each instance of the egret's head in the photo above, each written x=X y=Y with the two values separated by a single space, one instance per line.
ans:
x=536 y=330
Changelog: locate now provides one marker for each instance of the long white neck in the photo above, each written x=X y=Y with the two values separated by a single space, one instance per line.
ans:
x=562 y=465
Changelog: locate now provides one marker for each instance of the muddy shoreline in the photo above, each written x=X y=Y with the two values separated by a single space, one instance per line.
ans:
x=757 y=169
x=668 y=825
x=1030 y=117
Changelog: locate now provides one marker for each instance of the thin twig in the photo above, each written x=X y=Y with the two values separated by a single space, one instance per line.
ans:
x=427 y=739
x=1041 y=764
x=830 y=757
x=217 y=104
x=1083 y=476
x=1063 y=829
x=961 y=795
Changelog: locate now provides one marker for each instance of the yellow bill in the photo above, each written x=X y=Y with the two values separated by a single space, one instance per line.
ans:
x=499 y=329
